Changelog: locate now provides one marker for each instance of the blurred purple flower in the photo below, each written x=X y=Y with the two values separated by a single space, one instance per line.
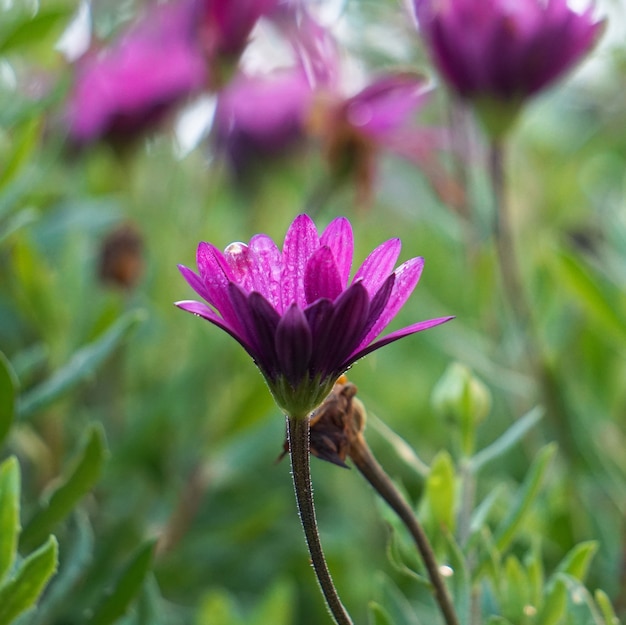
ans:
x=225 y=25
x=296 y=312
x=353 y=130
x=502 y=51
x=260 y=116
x=121 y=90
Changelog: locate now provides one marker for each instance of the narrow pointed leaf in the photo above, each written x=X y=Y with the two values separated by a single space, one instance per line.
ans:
x=441 y=490
x=82 y=365
x=459 y=583
x=510 y=438
x=79 y=481
x=525 y=497
x=21 y=591
x=9 y=513
x=606 y=608
x=577 y=560
x=115 y=604
x=8 y=393
x=77 y=556
x=379 y=616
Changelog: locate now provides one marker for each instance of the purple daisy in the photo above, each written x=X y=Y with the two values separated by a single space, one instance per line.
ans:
x=498 y=53
x=296 y=312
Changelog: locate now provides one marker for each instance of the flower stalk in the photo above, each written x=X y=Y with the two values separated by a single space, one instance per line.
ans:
x=298 y=429
x=336 y=433
x=373 y=472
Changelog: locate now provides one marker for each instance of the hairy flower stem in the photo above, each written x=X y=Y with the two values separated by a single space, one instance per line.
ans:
x=298 y=430
x=365 y=462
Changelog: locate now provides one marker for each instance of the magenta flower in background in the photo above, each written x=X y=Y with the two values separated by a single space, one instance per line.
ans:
x=296 y=311
x=261 y=116
x=501 y=52
x=354 y=129
x=225 y=25
x=121 y=90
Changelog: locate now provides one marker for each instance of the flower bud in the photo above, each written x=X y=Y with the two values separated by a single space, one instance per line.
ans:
x=464 y=399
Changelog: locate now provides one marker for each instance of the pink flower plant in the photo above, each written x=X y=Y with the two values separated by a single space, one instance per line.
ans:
x=175 y=50
x=500 y=52
x=124 y=88
x=296 y=312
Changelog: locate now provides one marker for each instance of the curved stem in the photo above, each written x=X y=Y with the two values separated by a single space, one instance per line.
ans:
x=298 y=432
x=372 y=471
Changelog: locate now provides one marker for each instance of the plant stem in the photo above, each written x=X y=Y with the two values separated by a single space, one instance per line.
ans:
x=504 y=240
x=372 y=471
x=298 y=433
x=513 y=287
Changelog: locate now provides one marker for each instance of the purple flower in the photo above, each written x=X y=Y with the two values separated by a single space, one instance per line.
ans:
x=260 y=116
x=128 y=86
x=296 y=312
x=355 y=129
x=225 y=25
x=502 y=51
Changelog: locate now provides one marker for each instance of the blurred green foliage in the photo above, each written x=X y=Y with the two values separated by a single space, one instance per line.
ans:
x=146 y=440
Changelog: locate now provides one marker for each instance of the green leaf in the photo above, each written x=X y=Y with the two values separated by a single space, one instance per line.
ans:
x=217 y=606
x=534 y=568
x=439 y=496
x=18 y=221
x=115 y=604
x=277 y=607
x=525 y=497
x=585 y=287
x=605 y=606
x=459 y=581
x=24 y=141
x=82 y=365
x=402 y=449
x=31 y=30
x=21 y=591
x=581 y=609
x=379 y=614
x=505 y=442
x=8 y=392
x=576 y=561
x=515 y=588
x=77 y=555
x=480 y=514
x=84 y=473
x=9 y=513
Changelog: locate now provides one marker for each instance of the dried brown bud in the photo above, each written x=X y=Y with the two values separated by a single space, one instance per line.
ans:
x=121 y=257
x=336 y=424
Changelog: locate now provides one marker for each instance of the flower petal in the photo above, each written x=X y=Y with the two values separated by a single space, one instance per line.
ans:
x=339 y=238
x=294 y=345
x=195 y=282
x=378 y=304
x=321 y=276
x=265 y=320
x=202 y=310
x=245 y=268
x=216 y=276
x=394 y=336
x=378 y=265
x=270 y=263
x=407 y=276
x=301 y=241
x=339 y=337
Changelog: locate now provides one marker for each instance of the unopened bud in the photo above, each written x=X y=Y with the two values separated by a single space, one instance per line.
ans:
x=462 y=398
